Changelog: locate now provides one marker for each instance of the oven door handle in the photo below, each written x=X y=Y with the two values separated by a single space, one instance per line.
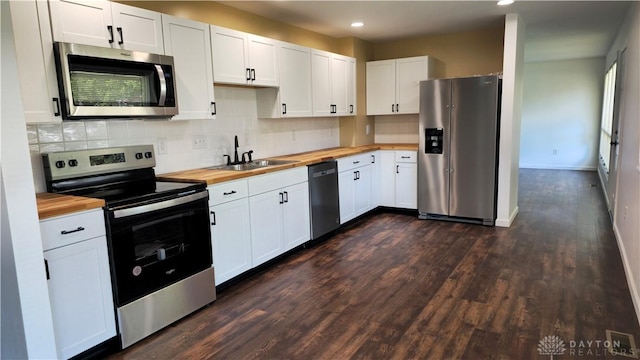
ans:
x=159 y=205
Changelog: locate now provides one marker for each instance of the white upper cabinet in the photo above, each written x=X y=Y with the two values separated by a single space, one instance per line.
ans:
x=330 y=75
x=351 y=87
x=137 y=29
x=243 y=59
x=106 y=24
x=189 y=43
x=393 y=86
x=36 y=66
x=295 y=80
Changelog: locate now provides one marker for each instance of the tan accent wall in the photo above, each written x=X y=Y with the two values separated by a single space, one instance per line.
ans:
x=477 y=52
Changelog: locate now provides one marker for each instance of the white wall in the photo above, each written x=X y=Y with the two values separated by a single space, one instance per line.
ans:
x=627 y=212
x=561 y=111
x=26 y=321
x=236 y=115
x=397 y=129
x=510 y=121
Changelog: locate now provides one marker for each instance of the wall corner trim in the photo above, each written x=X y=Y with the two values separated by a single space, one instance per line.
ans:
x=635 y=295
x=509 y=221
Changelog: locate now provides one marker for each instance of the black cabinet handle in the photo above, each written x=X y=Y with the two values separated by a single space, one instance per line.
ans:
x=397 y=169
x=286 y=197
x=119 y=29
x=248 y=73
x=56 y=101
x=393 y=108
x=405 y=157
x=229 y=193
x=281 y=198
x=397 y=108
x=355 y=175
x=110 y=29
x=373 y=159
x=350 y=109
x=213 y=213
x=66 y=232
x=358 y=174
x=284 y=109
x=356 y=162
x=253 y=74
x=214 y=107
x=46 y=268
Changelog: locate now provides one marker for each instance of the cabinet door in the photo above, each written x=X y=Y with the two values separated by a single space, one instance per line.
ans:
x=263 y=60
x=266 y=226
x=80 y=294
x=36 y=66
x=362 y=202
x=346 y=192
x=82 y=22
x=189 y=44
x=137 y=29
x=339 y=84
x=351 y=87
x=407 y=185
x=230 y=239
x=387 y=178
x=381 y=87
x=409 y=73
x=295 y=80
x=295 y=215
x=321 y=82
x=230 y=56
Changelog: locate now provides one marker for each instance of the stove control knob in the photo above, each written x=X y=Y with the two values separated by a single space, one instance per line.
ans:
x=148 y=154
x=60 y=164
x=73 y=162
x=138 y=156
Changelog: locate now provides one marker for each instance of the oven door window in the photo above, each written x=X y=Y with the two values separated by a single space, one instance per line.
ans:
x=155 y=249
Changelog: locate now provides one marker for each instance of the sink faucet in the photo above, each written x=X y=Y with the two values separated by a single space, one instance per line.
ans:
x=236 y=160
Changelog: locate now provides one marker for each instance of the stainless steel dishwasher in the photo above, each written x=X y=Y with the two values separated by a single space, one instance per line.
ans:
x=323 y=198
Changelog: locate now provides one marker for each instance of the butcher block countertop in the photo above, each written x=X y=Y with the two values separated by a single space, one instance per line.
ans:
x=50 y=205
x=214 y=176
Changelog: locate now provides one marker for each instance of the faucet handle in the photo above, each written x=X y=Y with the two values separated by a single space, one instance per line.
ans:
x=250 y=152
x=228 y=158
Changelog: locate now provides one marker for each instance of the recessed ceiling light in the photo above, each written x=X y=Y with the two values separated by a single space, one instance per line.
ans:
x=505 y=2
x=357 y=24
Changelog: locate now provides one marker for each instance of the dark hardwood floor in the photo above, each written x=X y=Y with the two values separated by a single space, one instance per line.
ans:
x=391 y=286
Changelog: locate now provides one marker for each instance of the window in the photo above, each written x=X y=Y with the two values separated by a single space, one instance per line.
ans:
x=607 y=116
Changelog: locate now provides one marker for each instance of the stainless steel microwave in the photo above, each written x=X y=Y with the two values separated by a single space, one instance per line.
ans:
x=96 y=82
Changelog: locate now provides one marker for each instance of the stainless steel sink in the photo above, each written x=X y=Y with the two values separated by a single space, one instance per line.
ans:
x=271 y=162
x=257 y=164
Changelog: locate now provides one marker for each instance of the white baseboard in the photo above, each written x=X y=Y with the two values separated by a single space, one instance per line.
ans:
x=509 y=221
x=635 y=296
x=557 y=167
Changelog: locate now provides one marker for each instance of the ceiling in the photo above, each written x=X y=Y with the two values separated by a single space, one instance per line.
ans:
x=555 y=29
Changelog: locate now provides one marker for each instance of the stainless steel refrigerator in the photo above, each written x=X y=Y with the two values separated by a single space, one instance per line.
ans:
x=458 y=154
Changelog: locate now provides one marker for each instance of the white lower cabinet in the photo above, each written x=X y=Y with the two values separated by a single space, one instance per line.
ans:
x=279 y=212
x=230 y=235
x=354 y=186
x=79 y=281
x=398 y=179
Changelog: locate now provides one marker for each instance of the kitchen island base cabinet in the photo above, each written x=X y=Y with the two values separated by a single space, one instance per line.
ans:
x=79 y=281
x=279 y=212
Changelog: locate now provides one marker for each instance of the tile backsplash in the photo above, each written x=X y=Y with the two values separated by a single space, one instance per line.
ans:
x=190 y=144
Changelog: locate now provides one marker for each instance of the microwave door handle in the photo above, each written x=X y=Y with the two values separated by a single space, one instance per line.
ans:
x=163 y=85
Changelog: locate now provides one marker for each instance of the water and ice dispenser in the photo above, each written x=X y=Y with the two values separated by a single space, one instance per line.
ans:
x=434 y=140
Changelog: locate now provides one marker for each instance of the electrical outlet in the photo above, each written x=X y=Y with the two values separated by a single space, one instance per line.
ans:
x=163 y=148
x=367 y=129
x=199 y=142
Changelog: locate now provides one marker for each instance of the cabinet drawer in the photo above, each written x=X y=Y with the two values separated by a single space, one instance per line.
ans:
x=406 y=156
x=69 y=229
x=277 y=180
x=352 y=162
x=227 y=191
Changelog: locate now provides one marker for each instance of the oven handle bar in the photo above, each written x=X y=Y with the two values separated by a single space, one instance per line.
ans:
x=159 y=205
